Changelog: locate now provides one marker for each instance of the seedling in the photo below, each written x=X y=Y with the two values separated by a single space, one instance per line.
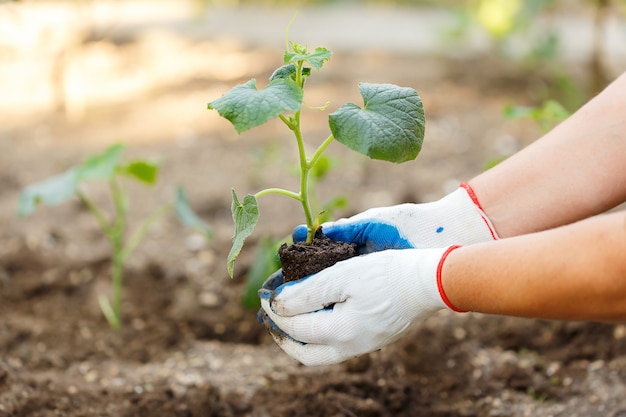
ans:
x=108 y=166
x=389 y=127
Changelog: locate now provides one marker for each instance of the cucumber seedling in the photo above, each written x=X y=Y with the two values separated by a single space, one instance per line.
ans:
x=390 y=127
x=108 y=166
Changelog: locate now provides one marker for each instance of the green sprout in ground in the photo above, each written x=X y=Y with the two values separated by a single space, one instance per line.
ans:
x=107 y=166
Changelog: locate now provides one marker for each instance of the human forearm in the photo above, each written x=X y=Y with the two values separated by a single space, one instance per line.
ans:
x=575 y=171
x=575 y=272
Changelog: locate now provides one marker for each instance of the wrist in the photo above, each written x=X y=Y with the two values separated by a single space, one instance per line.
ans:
x=440 y=284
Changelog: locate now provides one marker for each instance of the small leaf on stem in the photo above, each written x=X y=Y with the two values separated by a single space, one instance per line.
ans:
x=146 y=172
x=54 y=190
x=389 y=127
x=289 y=71
x=101 y=166
x=62 y=187
x=246 y=107
x=188 y=217
x=286 y=71
x=316 y=59
x=246 y=216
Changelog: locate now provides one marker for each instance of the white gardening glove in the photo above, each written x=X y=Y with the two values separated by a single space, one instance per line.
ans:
x=456 y=219
x=356 y=306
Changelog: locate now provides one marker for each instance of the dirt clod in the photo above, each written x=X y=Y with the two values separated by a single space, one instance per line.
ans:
x=302 y=259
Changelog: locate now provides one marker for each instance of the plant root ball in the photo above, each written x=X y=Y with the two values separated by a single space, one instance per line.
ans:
x=302 y=259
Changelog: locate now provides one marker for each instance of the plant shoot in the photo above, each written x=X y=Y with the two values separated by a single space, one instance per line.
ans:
x=389 y=126
x=107 y=166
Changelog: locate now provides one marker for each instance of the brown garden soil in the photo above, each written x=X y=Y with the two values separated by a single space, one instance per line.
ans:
x=301 y=259
x=188 y=347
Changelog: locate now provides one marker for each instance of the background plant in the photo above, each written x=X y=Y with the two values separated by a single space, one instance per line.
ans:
x=546 y=116
x=108 y=166
x=389 y=126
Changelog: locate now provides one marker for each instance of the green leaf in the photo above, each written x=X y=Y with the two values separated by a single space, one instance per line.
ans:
x=286 y=71
x=390 y=126
x=62 y=187
x=52 y=191
x=246 y=107
x=187 y=216
x=246 y=216
x=101 y=166
x=146 y=172
x=315 y=59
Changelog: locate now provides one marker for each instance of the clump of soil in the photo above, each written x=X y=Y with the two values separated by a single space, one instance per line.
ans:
x=302 y=259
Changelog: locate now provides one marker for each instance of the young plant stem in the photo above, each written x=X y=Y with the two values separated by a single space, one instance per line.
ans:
x=117 y=277
x=293 y=123
x=115 y=232
x=305 y=168
x=304 y=165
x=116 y=236
x=102 y=221
x=318 y=153
x=280 y=191
x=110 y=231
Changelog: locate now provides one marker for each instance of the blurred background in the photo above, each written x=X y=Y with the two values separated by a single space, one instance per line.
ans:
x=72 y=56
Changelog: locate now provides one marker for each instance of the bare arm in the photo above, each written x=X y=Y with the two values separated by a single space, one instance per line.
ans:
x=574 y=272
x=575 y=171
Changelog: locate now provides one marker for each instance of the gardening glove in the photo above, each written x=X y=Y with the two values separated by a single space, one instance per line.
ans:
x=457 y=219
x=356 y=306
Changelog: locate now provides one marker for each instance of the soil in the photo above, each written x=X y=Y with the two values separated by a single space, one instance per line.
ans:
x=301 y=259
x=188 y=347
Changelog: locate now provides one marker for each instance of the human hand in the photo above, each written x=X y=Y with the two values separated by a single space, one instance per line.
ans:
x=456 y=219
x=354 y=307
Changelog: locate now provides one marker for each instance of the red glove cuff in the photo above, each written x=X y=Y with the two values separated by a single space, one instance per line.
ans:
x=472 y=195
x=442 y=293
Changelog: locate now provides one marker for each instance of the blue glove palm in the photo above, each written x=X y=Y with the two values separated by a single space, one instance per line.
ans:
x=370 y=235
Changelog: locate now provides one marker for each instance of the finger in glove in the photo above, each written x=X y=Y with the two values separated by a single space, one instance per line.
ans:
x=273 y=281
